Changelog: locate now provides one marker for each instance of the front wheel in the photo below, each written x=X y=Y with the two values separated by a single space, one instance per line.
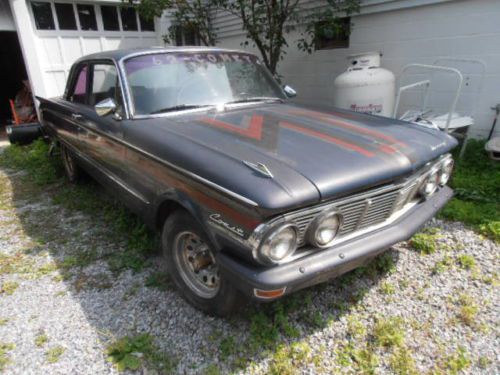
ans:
x=192 y=265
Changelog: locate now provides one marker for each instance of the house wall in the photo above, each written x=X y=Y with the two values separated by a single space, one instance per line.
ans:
x=49 y=54
x=405 y=32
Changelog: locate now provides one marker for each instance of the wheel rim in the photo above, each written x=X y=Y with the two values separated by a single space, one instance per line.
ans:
x=68 y=163
x=196 y=264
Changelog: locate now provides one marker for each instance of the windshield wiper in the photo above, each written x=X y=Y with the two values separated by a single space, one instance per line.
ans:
x=180 y=107
x=256 y=99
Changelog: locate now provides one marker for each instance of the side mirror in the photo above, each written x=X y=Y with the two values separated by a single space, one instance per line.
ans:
x=105 y=107
x=289 y=92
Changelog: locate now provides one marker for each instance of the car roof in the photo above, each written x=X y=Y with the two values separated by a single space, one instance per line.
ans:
x=119 y=54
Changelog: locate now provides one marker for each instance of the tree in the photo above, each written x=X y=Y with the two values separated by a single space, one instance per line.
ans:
x=267 y=23
x=189 y=15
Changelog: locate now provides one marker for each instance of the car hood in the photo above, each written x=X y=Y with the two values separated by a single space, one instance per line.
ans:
x=312 y=155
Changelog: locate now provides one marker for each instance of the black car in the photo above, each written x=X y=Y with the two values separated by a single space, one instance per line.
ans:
x=254 y=196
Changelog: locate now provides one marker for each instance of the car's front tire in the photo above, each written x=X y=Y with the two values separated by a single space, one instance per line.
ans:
x=73 y=171
x=192 y=266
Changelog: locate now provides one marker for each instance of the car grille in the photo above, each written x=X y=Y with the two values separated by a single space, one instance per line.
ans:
x=371 y=208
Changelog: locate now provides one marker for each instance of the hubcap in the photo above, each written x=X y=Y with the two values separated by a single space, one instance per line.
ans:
x=196 y=264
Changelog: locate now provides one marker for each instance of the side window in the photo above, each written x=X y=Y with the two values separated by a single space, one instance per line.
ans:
x=77 y=94
x=105 y=85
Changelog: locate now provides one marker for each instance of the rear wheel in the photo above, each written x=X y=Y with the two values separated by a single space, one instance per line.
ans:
x=192 y=265
x=73 y=171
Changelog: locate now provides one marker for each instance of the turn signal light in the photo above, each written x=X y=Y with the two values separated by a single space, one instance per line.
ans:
x=268 y=294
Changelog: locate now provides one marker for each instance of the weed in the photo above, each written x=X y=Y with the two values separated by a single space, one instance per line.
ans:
x=388 y=332
x=41 y=339
x=286 y=358
x=54 y=354
x=212 y=369
x=366 y=360
x=158 y=280
x=467 y=310
x=402 y=362
x=484 y=362
x=425 y=243
x=4 y=359
x=3 y=321
x=466 y=261
x=457 y=361
x=442 y=265
x=387 y=288
x=134 y=352
x=477 y=197
x=9 y=287
x=227 y=347
x=35 y=160
x=355 y=328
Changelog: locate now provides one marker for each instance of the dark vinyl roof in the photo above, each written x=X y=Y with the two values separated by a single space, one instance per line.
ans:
x=121 y=53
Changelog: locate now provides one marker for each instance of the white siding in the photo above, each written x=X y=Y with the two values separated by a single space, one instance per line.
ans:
x=412 y=34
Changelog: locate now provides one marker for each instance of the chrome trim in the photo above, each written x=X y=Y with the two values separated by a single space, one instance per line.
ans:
x=312 y=227
x=257 y=253
x=259 y=168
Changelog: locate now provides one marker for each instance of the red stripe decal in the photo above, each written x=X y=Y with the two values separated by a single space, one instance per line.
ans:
x=254 y=129
x=327 y=138
x=347 y=125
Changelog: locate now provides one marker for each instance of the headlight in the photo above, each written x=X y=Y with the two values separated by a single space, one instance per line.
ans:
x=430 y=183
x=278 y=244
x=445 y=171
x=324 y=228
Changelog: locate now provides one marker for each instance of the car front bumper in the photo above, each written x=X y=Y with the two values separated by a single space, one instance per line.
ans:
x=332 y=262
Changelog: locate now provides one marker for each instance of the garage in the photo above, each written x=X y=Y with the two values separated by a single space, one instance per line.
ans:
x=53 y=34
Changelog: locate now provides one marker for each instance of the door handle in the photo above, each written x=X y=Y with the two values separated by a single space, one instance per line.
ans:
x=76 y=116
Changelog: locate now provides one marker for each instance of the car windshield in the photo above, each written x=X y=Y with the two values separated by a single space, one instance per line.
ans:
x=166 y=82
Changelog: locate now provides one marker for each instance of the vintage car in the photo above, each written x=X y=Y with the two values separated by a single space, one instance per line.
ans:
x=254 y=196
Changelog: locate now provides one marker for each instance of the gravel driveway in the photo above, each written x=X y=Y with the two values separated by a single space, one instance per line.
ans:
x=410 y=313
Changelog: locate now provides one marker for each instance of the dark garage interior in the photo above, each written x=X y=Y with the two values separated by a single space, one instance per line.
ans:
x=12 y=73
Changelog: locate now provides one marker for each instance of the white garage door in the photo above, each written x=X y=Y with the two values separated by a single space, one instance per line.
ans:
x=67 y=30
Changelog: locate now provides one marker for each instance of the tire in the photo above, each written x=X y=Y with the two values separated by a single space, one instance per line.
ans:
x=189 y=268
x=73 y=171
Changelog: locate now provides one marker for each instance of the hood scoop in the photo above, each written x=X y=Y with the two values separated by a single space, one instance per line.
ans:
x=260 y=168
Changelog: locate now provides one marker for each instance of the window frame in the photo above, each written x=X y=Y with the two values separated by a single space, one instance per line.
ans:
x=337 y=43
x=99 y=20
x=75 y=73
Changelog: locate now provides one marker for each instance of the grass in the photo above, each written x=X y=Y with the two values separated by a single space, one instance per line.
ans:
x=402 y=362
x=467 y=310
x=158 y=280
x=3 y=321
x=457 y=362
x=425 y=242
x=287 y=358
x=139 y=351
x=477 y=198
x=41 y=340
x=4 y=349
x=387 y=288
x=388 y=332
x=54 y=354
x=466 y=261
x=44 y=171
x=8 y=287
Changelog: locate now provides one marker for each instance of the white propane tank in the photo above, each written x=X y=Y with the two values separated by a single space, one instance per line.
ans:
x=365 y=86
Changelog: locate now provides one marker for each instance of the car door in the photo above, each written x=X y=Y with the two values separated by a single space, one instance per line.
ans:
x=101 y=136
x=67 y=119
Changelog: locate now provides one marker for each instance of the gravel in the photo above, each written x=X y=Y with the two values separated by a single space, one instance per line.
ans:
x=92 y=307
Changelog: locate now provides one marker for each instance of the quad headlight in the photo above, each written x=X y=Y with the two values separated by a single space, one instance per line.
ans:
x=445 y=171
x=430 y=183
x=324 y=228
x=278 y=244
